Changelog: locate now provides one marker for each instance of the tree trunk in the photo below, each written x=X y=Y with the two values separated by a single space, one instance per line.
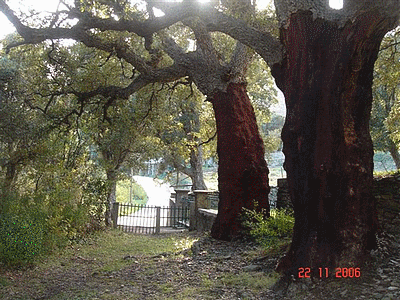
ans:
x=11 y=174
x=394 y=153
x=111 y=195
x=326 y=78
x=242 y=169
x=196 y=166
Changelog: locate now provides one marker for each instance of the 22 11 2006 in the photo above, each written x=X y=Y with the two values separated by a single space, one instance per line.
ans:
x=324 y=272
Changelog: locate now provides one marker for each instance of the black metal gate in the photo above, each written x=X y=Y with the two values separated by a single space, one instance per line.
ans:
x=149 y=219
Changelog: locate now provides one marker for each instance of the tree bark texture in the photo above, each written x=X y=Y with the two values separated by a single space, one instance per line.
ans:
x=326 y=78
x=111 y=195
x=394 y=153
x=242 y=169
x=196 y=166
x=11 y=174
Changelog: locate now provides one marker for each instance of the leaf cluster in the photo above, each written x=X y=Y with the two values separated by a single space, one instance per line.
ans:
x=267 y=231
x=386 y=106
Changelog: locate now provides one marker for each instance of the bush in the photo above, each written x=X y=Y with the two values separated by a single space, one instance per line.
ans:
x=268 y=231
x=21 y=238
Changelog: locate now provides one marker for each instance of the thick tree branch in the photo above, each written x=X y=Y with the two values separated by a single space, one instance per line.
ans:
x=203 y=39
x=264 y=43
x=167 y=74
x=87 y=21
x=143 y=29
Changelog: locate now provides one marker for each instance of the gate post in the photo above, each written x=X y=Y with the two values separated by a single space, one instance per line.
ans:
x=158 y=217
x=114 y=214
x=201 y=201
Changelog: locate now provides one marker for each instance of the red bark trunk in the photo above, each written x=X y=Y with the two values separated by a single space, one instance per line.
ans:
x=326 y=78
x=242 y=169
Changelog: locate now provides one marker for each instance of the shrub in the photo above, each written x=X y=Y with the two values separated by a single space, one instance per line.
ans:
x=21 y=238
x=268 y=231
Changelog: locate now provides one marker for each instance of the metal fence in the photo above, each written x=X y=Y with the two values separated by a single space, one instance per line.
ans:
x=149 y=219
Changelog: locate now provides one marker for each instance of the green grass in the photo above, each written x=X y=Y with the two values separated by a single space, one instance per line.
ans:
x=4 y=282
x=255 y=281
x=109 y=248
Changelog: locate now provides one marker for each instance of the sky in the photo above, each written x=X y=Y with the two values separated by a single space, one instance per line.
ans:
x=51 y=5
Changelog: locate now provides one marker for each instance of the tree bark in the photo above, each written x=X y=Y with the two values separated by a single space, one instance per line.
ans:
x=394 y=153
x=326 y=78
x=242 y=169
x=111 y=195
x=196 y=166
x=11 y=173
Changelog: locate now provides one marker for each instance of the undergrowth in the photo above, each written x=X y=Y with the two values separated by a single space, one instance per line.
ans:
x=268 y=232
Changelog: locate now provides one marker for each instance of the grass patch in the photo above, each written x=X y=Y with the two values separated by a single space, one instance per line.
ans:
x=4 y=282
x=112 y=246
x=255 y=281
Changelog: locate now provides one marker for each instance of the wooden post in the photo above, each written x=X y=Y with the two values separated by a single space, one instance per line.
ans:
x=114 y=214
x=158 y=217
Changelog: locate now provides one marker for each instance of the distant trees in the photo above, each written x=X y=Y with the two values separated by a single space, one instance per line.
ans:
x=384 y=119
x=182 y=139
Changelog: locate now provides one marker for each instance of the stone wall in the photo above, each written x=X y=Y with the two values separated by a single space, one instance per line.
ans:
x=212 y=197
x=283 y=197
x=387 y=193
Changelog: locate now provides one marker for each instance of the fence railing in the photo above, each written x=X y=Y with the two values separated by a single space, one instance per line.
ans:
x=148 y=219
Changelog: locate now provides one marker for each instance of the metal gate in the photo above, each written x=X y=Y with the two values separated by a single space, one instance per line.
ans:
x=149 y=219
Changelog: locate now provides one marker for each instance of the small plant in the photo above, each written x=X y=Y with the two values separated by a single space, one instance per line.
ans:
x=268 y=232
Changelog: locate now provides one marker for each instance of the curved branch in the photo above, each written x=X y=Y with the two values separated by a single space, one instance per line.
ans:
x=167 y=74
x=264 y=43
x=87 y=21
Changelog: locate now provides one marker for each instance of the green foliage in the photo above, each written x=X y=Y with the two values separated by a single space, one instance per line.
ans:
x=22 y=232
x=385 y=115
x=268 y=231
x=21 y=238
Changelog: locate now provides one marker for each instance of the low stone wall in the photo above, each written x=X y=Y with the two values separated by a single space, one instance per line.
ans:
x=387 y=193
x=386 y=190
x=283 y=197
x=206 y=218
x=212 y=197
